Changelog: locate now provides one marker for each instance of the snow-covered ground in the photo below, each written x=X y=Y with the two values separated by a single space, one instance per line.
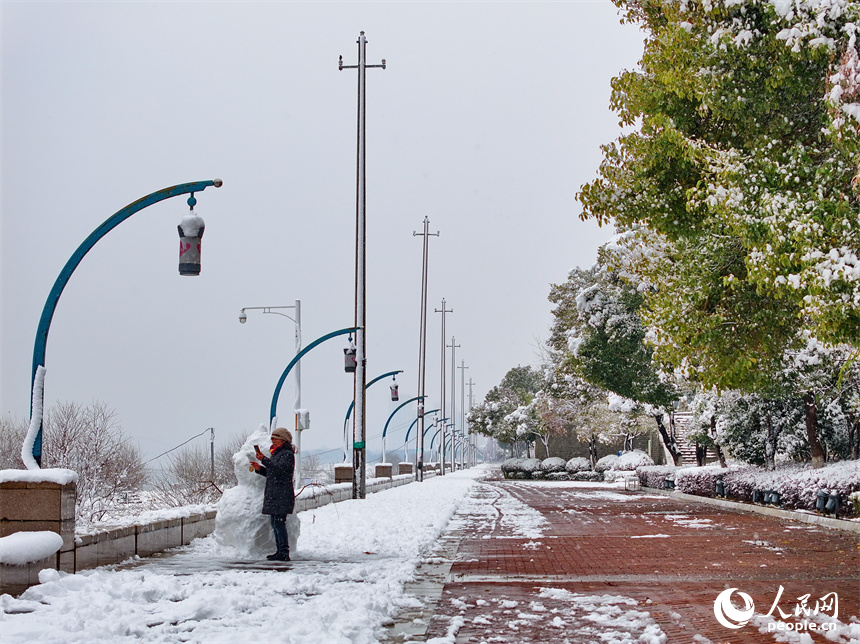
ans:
x=350 y=567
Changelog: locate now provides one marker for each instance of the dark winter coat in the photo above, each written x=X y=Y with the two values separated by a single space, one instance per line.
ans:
x=279 y=497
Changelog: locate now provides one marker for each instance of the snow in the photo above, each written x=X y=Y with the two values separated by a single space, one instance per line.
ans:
x=21 y=548
x=192 y=224
x=35 y=420
x=347 y=577
x=58 y=475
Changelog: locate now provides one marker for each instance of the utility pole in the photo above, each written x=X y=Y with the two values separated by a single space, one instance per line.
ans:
x=453 y=417
x=422 y=352
x=359 y=432
x=474 y=439
x=462 y=369
x=443 y=311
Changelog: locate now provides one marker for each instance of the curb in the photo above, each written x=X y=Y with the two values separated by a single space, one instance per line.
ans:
x=803 y=517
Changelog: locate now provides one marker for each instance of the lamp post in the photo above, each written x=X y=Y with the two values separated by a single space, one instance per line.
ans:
x=31 y=451
x=352 y=405
x=360 y=424
x=422 y=350
x=409 y=431
x=443 y=311
x=463 y=431
x=398 y=408
x=275 y=310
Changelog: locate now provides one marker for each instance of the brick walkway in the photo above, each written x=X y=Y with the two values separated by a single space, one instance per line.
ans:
x=615 y=566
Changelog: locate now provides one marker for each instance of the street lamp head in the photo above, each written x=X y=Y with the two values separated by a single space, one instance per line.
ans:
x=242 y=317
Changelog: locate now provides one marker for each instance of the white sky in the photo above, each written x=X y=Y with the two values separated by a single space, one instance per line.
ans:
x=487 y=120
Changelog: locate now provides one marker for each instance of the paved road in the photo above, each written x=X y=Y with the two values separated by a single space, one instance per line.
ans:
x=606 y=565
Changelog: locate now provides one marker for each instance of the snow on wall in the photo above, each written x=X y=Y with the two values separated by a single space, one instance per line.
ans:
x=58 y=475
x=21 y=548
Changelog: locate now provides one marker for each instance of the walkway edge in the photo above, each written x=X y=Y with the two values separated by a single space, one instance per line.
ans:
x=826 y=522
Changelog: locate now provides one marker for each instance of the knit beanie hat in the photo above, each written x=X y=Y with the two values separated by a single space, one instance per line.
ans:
x=284 y=434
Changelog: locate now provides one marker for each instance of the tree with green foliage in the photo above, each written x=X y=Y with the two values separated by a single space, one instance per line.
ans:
x=598 y=335
x=503 y=414
x=737 y=195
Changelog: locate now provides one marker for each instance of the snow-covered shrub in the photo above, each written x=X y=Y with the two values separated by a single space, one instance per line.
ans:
x=855 y=502
x=654 y=475
x=698 y=480
x=553 y=464
x=511 y=467
x=586 y=476
x=797 y=483
x=531 y=467
x=557 y=476
x=629 y=461
x=605 y=463
x=578 y=464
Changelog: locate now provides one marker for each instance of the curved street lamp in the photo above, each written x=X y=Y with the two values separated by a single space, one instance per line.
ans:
x=398 y=408
x=352 y=405
x=406 y=440
x=273 y=409
x=37 y=392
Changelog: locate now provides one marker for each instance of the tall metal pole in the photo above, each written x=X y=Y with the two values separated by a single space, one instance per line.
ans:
x=298 y=405
x=359 y=431
x=453 y=346
x=443 y=311
x=422 y=352
x=462 y=369
x=474 y=438
x=212 y=453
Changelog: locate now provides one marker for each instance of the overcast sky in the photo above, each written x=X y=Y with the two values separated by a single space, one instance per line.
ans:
x=488 y=119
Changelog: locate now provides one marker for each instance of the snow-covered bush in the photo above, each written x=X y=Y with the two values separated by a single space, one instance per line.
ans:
x=557 y=476
x=605 y=463
x=532 y=468
x=698 y=480
x=586 y=476
x=511 y=467
x=797 y=483
x=629 y=461
x=553 y=464
x=654 y=475
x=855 y=502
x=578 y=464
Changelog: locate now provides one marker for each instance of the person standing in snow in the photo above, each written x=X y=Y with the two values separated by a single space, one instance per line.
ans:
x=279 y=499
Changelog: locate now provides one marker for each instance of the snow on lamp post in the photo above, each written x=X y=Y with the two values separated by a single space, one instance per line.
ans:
x=31 y=450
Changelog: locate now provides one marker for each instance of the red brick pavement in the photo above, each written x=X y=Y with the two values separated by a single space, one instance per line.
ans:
x=606 y=544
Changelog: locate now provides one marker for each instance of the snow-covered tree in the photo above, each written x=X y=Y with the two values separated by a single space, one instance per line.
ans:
x=89 y=440
x=598 y=335
x=497 y=416
x=735 y=187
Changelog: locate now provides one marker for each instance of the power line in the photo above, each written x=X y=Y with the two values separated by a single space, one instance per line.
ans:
x=180 y=445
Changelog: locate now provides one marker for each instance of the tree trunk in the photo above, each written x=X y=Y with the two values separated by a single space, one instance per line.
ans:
x=816 y=451
x=770 y=445
x=853 y=436
x=717 y=448
x=592 y=449
x=668 y=441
